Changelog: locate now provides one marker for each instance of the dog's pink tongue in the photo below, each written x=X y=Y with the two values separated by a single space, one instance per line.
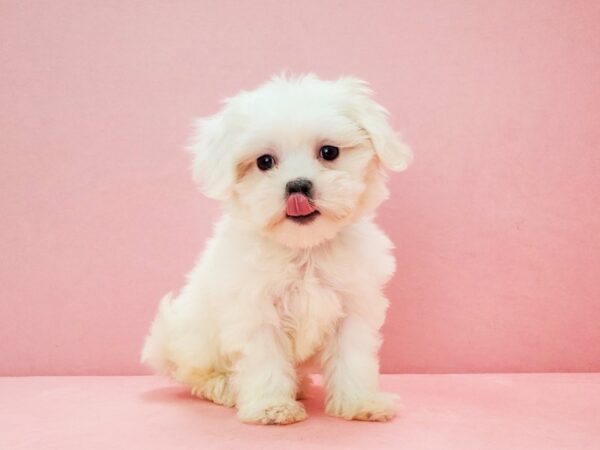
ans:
x=298 y=205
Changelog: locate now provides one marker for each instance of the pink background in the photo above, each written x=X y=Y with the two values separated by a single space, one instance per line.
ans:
x=497 y=223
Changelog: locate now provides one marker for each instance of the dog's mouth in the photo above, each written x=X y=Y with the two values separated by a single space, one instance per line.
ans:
x=302 y=220
x=300 y=209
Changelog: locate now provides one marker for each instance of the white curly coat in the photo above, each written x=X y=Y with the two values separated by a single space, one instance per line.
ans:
x=270 y=298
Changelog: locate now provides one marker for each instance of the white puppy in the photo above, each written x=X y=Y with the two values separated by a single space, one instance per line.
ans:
x=295 y=269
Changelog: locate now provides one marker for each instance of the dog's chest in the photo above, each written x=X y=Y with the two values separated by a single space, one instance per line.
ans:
x=308 y=310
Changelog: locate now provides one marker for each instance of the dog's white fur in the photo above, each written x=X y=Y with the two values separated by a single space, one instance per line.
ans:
x=269 y=296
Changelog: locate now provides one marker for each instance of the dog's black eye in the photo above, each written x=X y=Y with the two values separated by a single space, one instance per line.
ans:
x=265 y=162
x=329 y=152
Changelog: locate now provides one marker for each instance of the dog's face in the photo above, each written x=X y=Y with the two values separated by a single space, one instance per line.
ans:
x=298 y=158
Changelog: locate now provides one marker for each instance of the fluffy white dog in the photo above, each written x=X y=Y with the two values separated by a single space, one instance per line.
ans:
x=294 y=272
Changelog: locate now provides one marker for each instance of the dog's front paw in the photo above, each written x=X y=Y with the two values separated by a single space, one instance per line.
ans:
x=273 y=413
x=374 y=407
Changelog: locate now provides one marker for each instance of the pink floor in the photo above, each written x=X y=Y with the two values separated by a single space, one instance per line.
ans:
x=441 y=412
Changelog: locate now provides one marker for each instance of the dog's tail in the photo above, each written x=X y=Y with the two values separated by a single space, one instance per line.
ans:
x=156 y=346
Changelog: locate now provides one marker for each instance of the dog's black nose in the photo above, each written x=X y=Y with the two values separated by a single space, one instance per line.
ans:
x=299 y=185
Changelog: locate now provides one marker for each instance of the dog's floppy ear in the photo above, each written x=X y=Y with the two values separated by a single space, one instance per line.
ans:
x=391 y=151
x=211 y=151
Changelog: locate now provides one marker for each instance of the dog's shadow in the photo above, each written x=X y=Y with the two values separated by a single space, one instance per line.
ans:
x=215 y=426
x=170 y=394
x=203 y=418
x=314 y=402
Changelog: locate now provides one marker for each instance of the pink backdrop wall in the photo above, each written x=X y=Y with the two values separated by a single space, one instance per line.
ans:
x=497 y=223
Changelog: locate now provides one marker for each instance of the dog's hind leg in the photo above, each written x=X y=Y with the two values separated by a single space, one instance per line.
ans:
x=304 y=384
x=217 y=388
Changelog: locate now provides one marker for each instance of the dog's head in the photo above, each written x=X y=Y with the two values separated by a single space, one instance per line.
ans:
x=298 y=158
